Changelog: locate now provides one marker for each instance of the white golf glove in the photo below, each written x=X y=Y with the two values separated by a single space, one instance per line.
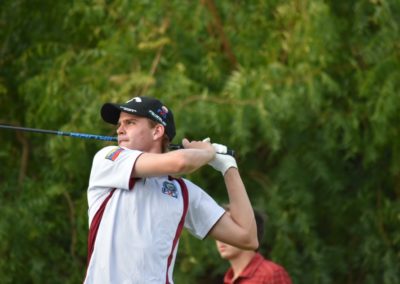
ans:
x=222 y=162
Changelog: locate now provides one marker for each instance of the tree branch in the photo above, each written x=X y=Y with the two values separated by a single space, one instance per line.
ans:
x=72 y=222
x=156 y=60
x=226 y=47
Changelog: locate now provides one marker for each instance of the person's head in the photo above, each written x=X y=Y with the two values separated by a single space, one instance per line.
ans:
x=230 y=252
x=144 y=123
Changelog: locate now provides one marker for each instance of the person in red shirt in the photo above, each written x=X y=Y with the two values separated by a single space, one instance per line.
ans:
x=250 y=267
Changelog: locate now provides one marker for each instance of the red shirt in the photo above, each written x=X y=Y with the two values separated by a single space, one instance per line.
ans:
x=259 y=271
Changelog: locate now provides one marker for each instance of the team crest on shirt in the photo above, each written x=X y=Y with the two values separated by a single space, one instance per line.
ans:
x=113 y=155
x=169 y=189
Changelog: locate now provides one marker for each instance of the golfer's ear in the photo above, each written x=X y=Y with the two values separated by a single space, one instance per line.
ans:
x=158 y=131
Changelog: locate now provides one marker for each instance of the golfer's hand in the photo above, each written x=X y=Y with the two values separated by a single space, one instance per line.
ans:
x=221 y=162
x=203 y=145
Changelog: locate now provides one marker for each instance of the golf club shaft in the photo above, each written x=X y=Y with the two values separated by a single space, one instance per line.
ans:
x=84 y=135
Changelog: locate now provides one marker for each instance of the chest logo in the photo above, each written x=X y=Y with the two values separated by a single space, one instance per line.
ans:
x=170 y=189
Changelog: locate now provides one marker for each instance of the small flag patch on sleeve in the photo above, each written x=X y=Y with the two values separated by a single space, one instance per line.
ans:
x=113 y=155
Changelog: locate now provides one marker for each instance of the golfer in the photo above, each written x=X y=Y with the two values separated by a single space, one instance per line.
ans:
x=137 y=208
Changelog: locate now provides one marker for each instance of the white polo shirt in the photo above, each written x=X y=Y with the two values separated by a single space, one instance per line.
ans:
x=138 y=228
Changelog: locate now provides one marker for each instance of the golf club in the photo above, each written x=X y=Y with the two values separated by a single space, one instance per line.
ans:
x=87 y=136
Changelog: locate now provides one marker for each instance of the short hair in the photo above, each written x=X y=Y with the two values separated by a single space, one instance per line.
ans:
x=260 y=221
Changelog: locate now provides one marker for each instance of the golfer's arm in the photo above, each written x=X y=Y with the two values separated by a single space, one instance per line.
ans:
x=239 y=227
x=172 y=163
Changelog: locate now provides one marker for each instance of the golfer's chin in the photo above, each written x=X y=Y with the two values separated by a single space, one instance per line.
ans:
x=225 y=255
x=228 y=252
x=123 y=143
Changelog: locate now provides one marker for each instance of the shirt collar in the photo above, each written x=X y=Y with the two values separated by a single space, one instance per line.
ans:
x=249 y=270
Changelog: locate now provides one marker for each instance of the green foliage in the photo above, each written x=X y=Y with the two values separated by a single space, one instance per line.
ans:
x=306 y=92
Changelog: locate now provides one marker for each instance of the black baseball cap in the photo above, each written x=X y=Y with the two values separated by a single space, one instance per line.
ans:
x=141 y=106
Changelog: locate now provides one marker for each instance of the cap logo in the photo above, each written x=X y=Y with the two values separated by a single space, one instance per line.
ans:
x=126 y=109
x=163 y=111
x=136 y=99
x=157 y=117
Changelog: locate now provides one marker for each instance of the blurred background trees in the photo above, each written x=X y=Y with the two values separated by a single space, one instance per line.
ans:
x=306 y=92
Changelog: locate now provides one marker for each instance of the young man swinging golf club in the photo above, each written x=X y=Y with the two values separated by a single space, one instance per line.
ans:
x=137 y=210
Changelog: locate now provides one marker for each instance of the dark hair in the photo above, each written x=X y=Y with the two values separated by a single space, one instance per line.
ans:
x=260 y=221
